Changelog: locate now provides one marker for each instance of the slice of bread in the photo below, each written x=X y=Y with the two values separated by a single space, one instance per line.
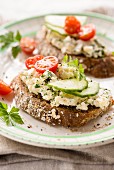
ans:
x=97 y=67
x=42 y=110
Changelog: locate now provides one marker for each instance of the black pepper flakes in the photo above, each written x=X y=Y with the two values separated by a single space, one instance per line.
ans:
x=29 y=126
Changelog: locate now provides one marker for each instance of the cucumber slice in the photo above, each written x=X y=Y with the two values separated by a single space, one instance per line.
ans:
x=69 y=85
x=59 y=20
x=56 y=29
x=92 y=90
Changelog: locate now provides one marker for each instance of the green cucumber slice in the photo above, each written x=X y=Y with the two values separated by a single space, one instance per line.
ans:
x=92 y=90
x=59 y=20
x=56 y=29
x=69 y=85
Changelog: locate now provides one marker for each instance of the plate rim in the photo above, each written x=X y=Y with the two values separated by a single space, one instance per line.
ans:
x=91 y=14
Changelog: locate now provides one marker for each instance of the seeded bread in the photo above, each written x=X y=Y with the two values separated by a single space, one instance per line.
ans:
x=100 y=67
x=42 y=110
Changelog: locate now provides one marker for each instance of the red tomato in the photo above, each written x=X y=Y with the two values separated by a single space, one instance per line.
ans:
x=4 y=88
x=30 y=62
x=47 y=63
x=28 y=45
x=87 y=32
x=72 y=25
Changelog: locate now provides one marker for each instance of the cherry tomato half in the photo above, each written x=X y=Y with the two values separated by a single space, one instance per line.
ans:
x=30 y=62
x=72 y=25
x=87 y=32
x=47 y=63
x=28 y=45
x=4 y=88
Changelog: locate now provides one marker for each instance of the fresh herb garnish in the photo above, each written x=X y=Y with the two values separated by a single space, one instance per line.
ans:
x=37 y=85
x=15 y=51
x=49 y=74
x=9 y=117
x=74 y=63
x=10 y=39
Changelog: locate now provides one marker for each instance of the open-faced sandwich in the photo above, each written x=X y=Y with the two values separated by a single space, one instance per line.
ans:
x=71 y=35
x=59 y=94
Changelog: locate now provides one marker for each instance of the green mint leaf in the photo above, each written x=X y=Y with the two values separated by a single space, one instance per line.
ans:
x=10 y=117
x=16 y=118
x=9 y=36
x=15 y=51
x=2 y=38
x=18 y=36
x=14 y=109
x=37 y=85
x=5 y=45
x=7 y=39
x=3 y=106
x=3 y=112
x=6 y=119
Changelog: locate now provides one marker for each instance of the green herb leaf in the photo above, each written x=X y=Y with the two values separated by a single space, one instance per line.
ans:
x=6 y=119
x=3 y=106
x=14 y=109
x=65 y=59
x=3 y=112
x=49 y=74
x=16 y=118
x=15 y=51
x=8 y=39
x=18 y=36
x=10 y=117
x=37 y=85
x=81 y=69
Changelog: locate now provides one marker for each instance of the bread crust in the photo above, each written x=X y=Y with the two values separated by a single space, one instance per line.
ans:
x=40 y=109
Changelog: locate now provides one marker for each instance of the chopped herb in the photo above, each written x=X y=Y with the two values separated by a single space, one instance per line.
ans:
x=49 y=74
x=42 y=75
x=8 y=39
x=15 y=51
x=37 y=85
x=9 y=117
x=74 y=63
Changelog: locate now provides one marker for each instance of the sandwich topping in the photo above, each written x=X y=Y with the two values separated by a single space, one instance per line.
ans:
x=72 y=38
x=71 y=45
x=66 y=86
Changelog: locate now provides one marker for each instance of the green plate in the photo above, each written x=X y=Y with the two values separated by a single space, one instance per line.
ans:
x=96 y=132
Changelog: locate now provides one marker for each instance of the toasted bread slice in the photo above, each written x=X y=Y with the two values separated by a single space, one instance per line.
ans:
x=97 y=67
x=42 y=110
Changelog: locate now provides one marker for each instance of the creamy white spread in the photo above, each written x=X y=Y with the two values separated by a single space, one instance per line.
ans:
x=38 y=85
x=71 y=45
